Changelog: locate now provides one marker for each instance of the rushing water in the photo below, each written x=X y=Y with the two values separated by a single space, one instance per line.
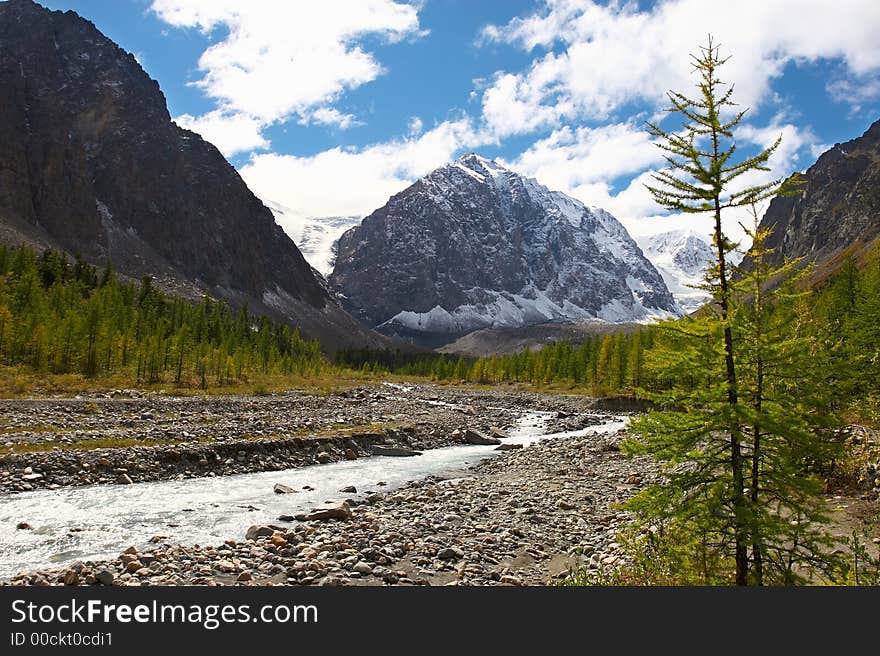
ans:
x=99 y=521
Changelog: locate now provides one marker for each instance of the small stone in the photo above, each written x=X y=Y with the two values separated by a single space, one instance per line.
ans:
x=363 y=568
x=245 y=576
x=124 y=479
x=24 y=526
x=71 y=577
x=283 y=489
x=323 y=457
x=134 y=566
x=509 y=579
x=349 y=489
x=562 y=504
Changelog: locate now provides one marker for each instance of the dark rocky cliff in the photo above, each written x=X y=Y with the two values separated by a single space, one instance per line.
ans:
x=91 y=162
x=837 y=210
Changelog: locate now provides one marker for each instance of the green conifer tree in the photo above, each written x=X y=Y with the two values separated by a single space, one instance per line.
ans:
x=703 y=442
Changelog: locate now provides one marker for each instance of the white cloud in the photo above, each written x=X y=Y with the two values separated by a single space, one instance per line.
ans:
x=572 y=157
x=332 y=116
x=231 y=133
x=415 y=126
x=276 y=59
x=856 y=91
x=586 y=162
x=354 y=182
x=606 y=56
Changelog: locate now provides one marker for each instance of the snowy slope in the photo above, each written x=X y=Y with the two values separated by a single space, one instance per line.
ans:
x=314 y=236
x=475 y=245
x=682 y=257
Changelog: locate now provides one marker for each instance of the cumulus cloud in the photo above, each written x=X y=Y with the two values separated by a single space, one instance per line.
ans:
x=856 y=91
x=354 y=182
x=602 y=57
x=609 y=166
x=275 y=60
x=332 y=116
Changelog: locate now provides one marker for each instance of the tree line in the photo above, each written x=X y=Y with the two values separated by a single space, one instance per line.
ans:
x=60 y=316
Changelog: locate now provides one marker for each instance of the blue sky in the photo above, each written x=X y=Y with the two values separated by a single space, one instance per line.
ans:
x=329 y=107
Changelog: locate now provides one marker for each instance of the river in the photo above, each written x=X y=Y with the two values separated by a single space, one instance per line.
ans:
x=99 y=521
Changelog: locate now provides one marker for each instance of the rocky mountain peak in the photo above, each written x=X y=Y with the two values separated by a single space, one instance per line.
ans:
x=474 y=244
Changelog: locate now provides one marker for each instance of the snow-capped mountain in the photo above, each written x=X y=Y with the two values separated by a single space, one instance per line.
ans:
x=474 y=245
x=314 y=236
x=682 y=257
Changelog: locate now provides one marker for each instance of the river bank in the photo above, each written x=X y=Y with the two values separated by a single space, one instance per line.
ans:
x=523 y=517
x=56 y=443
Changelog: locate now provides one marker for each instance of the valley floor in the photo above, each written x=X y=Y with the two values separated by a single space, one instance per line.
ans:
x=525 y=516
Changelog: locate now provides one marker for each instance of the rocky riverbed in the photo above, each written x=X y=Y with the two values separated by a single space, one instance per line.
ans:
x=523 y=517
x=126 y=437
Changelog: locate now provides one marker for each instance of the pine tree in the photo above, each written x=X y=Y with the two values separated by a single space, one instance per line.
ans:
x=702 y=177
x=788 y=417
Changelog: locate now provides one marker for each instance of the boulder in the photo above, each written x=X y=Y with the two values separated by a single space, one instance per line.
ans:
x=283 y=489
x=472 y=436
x=105 y=577
x=333 y=509
x=396 y=451
x=258 y=531
x=450 y=553
x=508 y=447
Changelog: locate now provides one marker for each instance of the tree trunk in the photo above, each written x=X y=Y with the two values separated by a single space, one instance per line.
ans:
x=740 y=549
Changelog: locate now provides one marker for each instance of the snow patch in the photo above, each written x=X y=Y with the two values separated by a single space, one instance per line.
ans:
x=315 y=237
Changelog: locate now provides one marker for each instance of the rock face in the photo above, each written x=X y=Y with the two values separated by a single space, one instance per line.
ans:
x=682 y=257
x=91 y=163
x=475 y=245
x=838 y=208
